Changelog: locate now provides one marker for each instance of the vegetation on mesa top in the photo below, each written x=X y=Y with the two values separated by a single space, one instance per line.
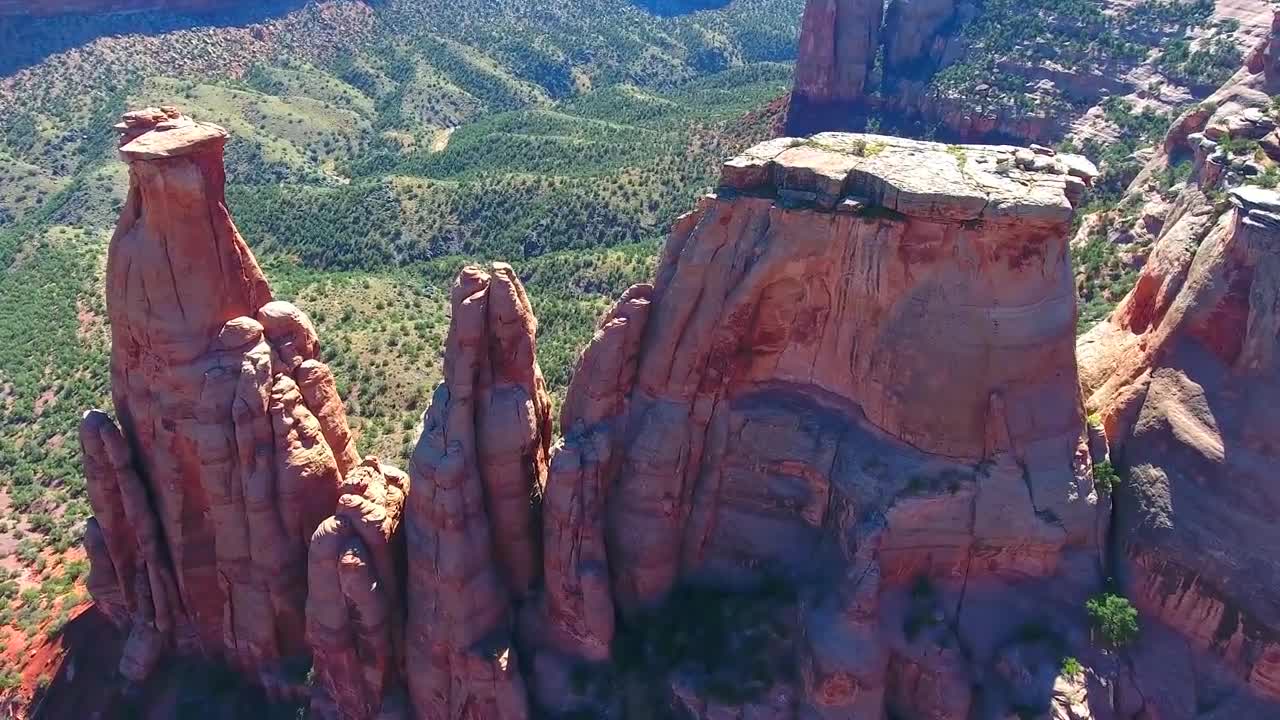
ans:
x=1011 y=41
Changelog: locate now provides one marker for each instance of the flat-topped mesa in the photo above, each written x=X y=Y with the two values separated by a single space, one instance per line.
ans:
x=972 y=237
x=854 y=370
x=232 y=438
x=860 y=173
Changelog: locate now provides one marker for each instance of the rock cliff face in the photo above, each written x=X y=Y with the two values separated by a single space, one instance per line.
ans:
x=94 y=7
x=832 y=463
x=808 y=395
x=1184 y=378
x=863 y=60
x=844 y=416
x=840 y=42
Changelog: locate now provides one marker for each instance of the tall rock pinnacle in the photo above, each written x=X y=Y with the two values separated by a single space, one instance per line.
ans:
x=850 y=48
x=232 y=440
x=838 y=44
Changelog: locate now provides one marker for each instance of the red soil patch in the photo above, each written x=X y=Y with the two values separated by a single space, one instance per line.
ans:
x=68 y=674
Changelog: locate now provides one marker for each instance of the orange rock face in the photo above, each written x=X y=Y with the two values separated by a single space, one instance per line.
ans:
x=852 y=376
x=231 y=441
x=471 y=527
x=1184 y=376
x=810 y=391
x=831 y=463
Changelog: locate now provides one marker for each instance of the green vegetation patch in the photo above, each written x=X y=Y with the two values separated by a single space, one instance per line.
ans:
x=1115 y=618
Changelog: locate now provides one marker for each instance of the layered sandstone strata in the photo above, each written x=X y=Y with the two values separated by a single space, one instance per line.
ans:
x=1185 y=380
x=854 y=374
x=1182 y=377
x=232 y=439
x=833 y=462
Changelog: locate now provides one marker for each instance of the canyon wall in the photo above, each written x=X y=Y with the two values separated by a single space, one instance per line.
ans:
x=1182 y=377
x=863 y=61
x=835 y=453
x=840 y=459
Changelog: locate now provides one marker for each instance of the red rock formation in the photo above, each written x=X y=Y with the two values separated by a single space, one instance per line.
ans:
x=852 y=68
x=853 y=379
x=355 y=605
x=854 y=370
x=1184 y=376
x=580 y=604
x=838 y=43
x=915 y=32
x=232 y=441
x=472 y=531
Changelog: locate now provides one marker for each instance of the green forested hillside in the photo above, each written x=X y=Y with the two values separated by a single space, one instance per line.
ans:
x=376 y=148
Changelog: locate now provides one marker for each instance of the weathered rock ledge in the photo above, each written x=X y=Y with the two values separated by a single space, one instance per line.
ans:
x=852 y=172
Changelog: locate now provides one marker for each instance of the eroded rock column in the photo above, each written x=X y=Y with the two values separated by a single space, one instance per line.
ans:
x=231 y=442
x=472 y=533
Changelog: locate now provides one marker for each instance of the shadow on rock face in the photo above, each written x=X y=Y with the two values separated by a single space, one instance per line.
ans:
x=79 y=684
